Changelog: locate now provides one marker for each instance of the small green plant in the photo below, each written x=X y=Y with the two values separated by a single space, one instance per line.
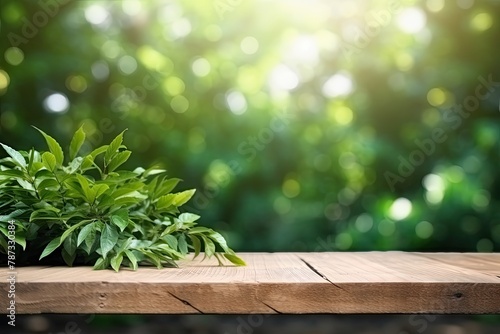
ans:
x=95 y=213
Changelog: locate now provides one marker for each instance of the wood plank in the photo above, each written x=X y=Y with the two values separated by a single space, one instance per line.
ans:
x=487 y=263
x=391 y=267
x=372 y=282
x=195 y=287
x=397 y=282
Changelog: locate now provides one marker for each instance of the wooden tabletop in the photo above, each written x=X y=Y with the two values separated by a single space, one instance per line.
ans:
x=371 y=282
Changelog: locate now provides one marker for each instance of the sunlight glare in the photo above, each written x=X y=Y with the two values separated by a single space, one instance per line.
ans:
x=412 y=20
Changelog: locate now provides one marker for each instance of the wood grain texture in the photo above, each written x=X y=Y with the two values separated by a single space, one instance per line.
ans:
x=371 y=282
x=487 y=263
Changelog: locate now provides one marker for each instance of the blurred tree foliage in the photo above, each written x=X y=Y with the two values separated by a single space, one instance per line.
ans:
x=304 y=125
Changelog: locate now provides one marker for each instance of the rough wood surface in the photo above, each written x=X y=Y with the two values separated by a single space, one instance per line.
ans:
x=372 y=282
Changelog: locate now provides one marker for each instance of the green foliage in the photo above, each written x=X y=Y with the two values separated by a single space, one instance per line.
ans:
x=90 y=211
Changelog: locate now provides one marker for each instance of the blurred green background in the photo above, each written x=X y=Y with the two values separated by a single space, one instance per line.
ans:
x=304 y=125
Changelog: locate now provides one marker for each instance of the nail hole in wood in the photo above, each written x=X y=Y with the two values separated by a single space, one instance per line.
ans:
x=458 y=295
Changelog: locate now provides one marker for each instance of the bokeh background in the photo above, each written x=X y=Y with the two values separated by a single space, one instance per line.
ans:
x=304 y=125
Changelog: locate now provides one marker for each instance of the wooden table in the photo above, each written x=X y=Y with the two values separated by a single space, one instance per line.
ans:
x=372 y=282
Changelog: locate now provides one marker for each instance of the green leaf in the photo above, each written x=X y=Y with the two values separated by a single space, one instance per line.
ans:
x=49 y=195
x=219 y=260
x=165 y=201
x=69 y=258
x=98 y=190
x=133 y=199
x=31 y=159
x=101 y=264
x=121 y=177
x=84 y=232
x=51 y=247
x=116 y=261
x=54 y=147
x=15 y=155
x=196 y=244
x=171 y=241
x=166 y=187
x=26 y=185
x=109 y=238
x=43 y=173
x=13 y=214
x=49 y=183
x=153 y=171
x=84 y=184
x=98 y=151
x=13 y=173
x=113 y=147
x=151 y=187
x=44 y=214
x=121 y=220
x=49 y=161
x=70 y=244
x=153 y=258
x=88 y=160
x=188 y=217
x=118 y=160
x=4 y=231
x=169 y=256
x=235 y=259
x=76 y=143
x=71 y=229
x=106 y=201
x=183 y=246
x=20 y=239
x=131 y=257
x=32 y=231
x=217 y=237
x=182 y=197
x=3 y=244
x=124 y=244
x=90 y=240
x=209 y=246
x=126 y=190
x=200 y=229
x=73 y=165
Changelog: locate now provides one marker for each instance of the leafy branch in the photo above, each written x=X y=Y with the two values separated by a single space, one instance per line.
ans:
x=96 y=214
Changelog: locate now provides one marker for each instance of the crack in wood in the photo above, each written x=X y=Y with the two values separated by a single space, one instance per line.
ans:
x=272 y=308
x=185 y=302
x=320 y=274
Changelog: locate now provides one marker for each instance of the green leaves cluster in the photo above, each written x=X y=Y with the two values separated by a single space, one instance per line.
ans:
x=85 y=207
